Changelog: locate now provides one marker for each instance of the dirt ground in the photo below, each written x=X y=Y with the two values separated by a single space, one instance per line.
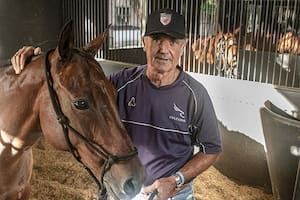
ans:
x=57 y=176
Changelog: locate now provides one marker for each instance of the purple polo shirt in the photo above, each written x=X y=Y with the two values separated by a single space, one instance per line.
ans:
x=159 y=120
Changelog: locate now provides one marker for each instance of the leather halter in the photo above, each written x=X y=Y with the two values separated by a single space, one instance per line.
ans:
x=65 y=124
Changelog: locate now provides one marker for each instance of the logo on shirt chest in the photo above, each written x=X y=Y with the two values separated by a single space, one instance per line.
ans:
x=179 y=115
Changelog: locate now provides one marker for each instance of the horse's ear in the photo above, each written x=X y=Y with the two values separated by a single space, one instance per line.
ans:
x=237 y=30
x=220 y=32
x=66 y=40
x=93 y=46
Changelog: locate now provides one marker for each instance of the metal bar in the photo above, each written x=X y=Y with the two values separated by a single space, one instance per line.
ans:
x=89 y=21
x=293 y=25
x=234 y=28
x=240 y=36
x=97 y=25
x=244 y=37
x=79 y=22
x=257 y=32
x=211 y=31
x=214 y=33
x=286 y=28
x=194 y=35
x=190 y=39
x=222 y=27
x=201 y=29
x=105 y=12
x=182 y=58
x=272 y=28
x=252 y=33
x=206 y=34
x=277 y=39
x=264 y=36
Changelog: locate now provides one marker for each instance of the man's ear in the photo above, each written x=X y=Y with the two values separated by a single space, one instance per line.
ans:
x=143 y=42
x=185 y=42
x=184 y=46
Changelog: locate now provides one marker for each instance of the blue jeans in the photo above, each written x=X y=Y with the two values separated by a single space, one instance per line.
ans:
x=185 y=194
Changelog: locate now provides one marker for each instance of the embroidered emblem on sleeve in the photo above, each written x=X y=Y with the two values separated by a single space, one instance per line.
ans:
x=132 y=102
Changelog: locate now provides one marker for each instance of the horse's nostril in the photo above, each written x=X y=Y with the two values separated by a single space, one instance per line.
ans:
x=129 y=186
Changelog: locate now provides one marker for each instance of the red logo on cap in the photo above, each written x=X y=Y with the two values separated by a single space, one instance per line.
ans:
x=165 y=18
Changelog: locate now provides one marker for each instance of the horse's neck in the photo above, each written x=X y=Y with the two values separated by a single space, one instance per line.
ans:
x=18 y=102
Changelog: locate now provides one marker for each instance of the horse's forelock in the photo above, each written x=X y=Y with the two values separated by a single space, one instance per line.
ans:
x=85 y=71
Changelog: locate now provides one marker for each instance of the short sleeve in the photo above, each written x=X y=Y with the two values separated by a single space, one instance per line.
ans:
x=204 y=125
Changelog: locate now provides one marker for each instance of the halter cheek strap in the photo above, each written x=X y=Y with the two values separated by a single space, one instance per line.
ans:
x=65 y=124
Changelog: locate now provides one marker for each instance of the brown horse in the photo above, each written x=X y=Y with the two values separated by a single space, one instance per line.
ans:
x=76 y=92
x=204 y=49
x=227 y=52
x=220 y=49
x=289 y=43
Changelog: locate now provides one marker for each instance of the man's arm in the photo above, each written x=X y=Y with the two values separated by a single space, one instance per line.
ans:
x=198 y=164
x=19 y=59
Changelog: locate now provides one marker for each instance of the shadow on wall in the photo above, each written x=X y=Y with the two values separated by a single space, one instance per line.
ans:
x=28 y=22
x=243 y=160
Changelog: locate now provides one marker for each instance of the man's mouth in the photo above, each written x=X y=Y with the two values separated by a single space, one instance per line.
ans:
x=161 y=58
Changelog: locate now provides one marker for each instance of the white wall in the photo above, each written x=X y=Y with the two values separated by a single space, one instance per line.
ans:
x=237 y=103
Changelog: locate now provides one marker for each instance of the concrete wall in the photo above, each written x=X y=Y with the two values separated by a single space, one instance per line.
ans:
x=237 y=105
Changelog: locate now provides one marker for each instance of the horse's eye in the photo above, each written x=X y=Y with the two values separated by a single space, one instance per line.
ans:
x=81 y=104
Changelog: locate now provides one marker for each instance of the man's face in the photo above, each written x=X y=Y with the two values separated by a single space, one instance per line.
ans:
x=163 y=52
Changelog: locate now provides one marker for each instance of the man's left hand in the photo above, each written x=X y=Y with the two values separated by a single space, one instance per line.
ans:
x=164 y=186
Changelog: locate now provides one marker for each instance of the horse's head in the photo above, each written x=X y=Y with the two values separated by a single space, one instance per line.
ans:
x=96 y=135
x=203 y=49
x=289 y=43
x=227 y=48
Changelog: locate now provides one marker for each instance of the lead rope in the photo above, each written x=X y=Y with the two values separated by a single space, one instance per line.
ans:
x=153 y=194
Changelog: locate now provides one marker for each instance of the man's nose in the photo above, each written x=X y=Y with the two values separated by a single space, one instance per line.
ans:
x=165 y=45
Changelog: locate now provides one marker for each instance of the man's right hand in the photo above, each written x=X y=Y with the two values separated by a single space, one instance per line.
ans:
x=22 y=55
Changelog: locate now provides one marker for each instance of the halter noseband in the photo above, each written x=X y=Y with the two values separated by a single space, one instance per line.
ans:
x=63 y=120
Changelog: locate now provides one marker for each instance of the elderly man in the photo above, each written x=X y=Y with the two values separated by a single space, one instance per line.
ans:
x=165 y=111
